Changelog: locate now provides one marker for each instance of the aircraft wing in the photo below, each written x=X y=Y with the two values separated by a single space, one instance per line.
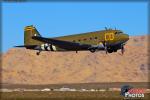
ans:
x=63 y=44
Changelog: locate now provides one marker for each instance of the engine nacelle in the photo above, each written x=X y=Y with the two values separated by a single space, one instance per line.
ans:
x=48 y=47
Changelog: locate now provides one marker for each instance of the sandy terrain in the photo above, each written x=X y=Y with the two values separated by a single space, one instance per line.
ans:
x=23 y=66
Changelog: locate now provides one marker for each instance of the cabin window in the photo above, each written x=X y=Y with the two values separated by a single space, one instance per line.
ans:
x=119 y=32
x=84 y=39
x=74 y=41
x=95 y=37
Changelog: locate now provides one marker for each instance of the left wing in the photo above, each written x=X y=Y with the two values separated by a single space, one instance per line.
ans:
x=63 y=44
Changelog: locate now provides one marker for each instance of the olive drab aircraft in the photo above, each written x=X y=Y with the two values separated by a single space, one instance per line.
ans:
x=108 y=40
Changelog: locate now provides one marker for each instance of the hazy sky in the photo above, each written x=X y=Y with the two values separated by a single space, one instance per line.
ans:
x=63 y=18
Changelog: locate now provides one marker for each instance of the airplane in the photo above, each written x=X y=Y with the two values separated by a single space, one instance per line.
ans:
x=107 y=40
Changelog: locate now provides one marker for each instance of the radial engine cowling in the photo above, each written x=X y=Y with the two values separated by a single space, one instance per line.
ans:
x=48 y=47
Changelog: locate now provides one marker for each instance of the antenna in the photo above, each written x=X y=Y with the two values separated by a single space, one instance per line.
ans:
x=110 y=29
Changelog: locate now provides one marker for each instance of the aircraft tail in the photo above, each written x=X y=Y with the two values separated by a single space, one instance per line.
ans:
x=30 y=31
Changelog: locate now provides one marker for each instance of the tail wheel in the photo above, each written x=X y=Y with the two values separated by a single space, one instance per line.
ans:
x=38 y=53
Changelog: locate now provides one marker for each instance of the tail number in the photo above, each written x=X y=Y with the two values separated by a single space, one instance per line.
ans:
x=109 y=36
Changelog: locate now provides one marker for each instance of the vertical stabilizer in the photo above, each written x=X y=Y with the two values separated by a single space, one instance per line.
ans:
x=30 y=31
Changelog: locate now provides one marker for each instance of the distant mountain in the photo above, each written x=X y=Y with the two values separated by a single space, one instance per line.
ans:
x=23 y=66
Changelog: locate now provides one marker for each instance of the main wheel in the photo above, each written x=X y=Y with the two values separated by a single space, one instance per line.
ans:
x=110 y=50
x=92 y=50
x=115 y=50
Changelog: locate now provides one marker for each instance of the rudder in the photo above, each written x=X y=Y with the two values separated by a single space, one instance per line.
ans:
x=30 y=31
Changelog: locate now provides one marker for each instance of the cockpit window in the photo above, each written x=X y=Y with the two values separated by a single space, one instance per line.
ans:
x=119 y=32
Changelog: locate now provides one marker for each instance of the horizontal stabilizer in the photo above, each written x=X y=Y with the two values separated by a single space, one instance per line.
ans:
x=27 y=46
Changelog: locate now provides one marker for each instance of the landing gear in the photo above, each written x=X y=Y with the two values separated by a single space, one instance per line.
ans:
x=106 y=50
x=115 y=50
x=110 y=50
x=92 y=50
x=122 y=49
x=38 y=53
x=105 y=45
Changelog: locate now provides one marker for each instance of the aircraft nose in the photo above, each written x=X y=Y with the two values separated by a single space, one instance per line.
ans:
x=126 y=37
